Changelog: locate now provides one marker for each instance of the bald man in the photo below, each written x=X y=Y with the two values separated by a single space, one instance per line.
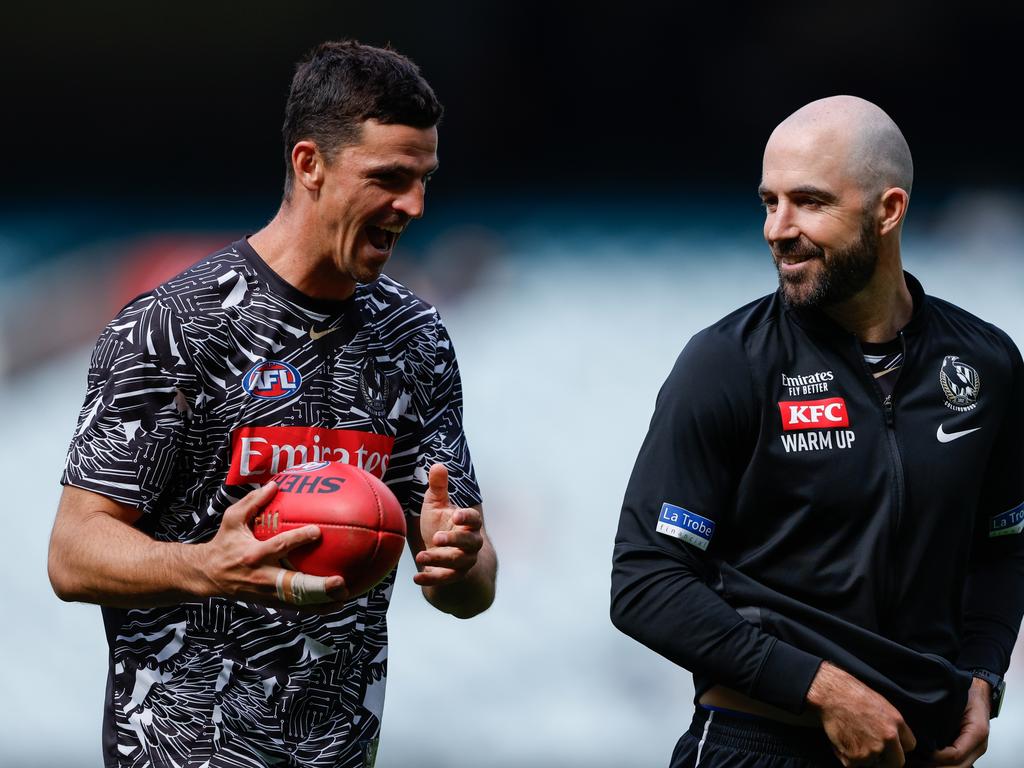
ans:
x=824 y=521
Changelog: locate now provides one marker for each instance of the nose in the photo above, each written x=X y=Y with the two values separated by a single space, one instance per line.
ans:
x=411 y=201
x=780 y=224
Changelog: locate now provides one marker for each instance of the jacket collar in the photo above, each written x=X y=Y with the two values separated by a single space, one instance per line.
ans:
x=816 y=321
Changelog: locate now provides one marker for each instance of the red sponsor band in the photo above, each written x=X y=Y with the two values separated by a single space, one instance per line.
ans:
x=814 y=414
x=259 y=453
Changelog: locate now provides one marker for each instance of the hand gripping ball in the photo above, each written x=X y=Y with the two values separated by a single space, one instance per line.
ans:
x=362 y=526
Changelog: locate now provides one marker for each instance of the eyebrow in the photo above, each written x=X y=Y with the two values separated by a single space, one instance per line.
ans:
x=808 y=190
x=400 y=168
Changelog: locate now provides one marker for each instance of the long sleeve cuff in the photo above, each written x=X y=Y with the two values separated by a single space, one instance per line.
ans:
x=786 y=677
x=981 y=655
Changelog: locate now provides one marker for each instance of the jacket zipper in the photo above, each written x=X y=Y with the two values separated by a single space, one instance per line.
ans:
x=889 y=416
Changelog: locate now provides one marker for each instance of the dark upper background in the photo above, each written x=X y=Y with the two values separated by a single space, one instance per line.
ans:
x=125 y=100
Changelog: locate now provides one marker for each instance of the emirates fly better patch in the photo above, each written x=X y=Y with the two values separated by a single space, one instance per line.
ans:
x=685 y=525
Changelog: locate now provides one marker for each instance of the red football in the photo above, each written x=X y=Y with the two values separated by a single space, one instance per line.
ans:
x=362 y=526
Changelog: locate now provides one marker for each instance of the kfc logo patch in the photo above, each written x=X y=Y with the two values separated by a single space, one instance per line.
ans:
x=272 y=380
x=814 y=414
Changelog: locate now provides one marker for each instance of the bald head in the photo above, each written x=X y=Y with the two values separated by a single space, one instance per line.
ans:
x=859 y=136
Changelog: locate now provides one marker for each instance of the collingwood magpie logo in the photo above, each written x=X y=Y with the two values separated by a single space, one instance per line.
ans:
x=960 y=383
x=374 y=387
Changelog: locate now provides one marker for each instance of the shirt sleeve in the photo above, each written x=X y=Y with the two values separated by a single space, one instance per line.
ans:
x=994 y=592
x=674 y=524
x=442 y=437
x=134 y=415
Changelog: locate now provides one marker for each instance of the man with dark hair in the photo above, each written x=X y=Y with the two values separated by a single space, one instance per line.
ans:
x=341 y=85
x=286 y=347
x=824 y=521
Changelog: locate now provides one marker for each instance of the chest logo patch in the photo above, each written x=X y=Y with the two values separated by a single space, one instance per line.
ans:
x=813 y=384
x=374 y=388
x=814 y=414
x=686 y=526
x=960 y=383
x=272 y=380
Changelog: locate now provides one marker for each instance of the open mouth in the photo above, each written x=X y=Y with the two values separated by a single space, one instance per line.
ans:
x=792 y=258
x=792 y=253
x=383 y=237
x=792 y=261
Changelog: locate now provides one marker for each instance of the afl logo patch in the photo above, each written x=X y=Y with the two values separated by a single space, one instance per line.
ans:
x=272 y=380
x=960 y=384
x=374 y=388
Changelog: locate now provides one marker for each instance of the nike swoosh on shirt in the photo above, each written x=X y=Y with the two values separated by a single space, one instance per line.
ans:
x=314 y=334
x=880 y=374
x=949 y=437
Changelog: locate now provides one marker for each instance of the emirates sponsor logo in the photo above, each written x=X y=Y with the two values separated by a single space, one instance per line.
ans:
x=815 y=378
x=814 y=414
x=812 y=384
x=259 y=453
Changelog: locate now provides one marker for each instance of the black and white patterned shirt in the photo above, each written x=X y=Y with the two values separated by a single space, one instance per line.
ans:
x=198 y=392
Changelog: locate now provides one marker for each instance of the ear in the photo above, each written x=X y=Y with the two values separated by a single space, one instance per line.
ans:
x=308 y=165
x=892 y=207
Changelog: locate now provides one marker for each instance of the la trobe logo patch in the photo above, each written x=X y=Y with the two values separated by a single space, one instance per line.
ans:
x=272 y=380
x=685 y=525
x=960 y=383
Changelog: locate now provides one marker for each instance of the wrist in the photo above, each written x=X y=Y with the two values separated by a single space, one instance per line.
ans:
x=990 y=687
x=822 y=686
x=190 y=564
x=462 y=599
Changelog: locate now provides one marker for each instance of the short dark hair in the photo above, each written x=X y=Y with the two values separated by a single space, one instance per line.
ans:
x=339 y=85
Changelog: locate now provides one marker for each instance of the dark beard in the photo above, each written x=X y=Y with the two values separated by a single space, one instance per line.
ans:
x=845 y=274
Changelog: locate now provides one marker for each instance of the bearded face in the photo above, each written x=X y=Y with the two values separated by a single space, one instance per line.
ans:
x=827 y=277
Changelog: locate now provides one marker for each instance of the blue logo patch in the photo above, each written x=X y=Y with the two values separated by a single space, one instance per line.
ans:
x=685 y=525
x=272 y=380
x=1007 y=523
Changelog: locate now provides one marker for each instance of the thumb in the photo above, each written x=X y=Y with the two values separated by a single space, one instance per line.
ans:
x=437 y=485
x=907 y=739
x=242 y=511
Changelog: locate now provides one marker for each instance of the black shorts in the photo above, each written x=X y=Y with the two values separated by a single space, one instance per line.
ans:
x=718 y=739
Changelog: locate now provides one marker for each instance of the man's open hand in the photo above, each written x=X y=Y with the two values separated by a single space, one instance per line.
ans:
x=452 y=536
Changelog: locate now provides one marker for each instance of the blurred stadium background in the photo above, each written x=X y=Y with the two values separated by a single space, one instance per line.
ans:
x=595 y=208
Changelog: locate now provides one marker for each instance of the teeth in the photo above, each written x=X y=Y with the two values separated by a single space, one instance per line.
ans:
x=395 y=229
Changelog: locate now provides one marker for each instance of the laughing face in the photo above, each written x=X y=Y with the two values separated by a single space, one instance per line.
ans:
x=811 y=276
x=370 y=193
x=823 y=236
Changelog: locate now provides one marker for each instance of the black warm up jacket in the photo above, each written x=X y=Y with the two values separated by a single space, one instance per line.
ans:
x=820 y=522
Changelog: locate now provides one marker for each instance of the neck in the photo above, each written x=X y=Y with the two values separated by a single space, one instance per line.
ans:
x=288 y=244
x=879 y=312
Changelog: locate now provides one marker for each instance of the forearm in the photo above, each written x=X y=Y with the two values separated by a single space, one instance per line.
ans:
x=473 y=594
x=97 y=558
x=993 y=606
x=665 y=604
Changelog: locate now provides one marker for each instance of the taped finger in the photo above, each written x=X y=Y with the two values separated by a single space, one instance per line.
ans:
x=301 y=588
